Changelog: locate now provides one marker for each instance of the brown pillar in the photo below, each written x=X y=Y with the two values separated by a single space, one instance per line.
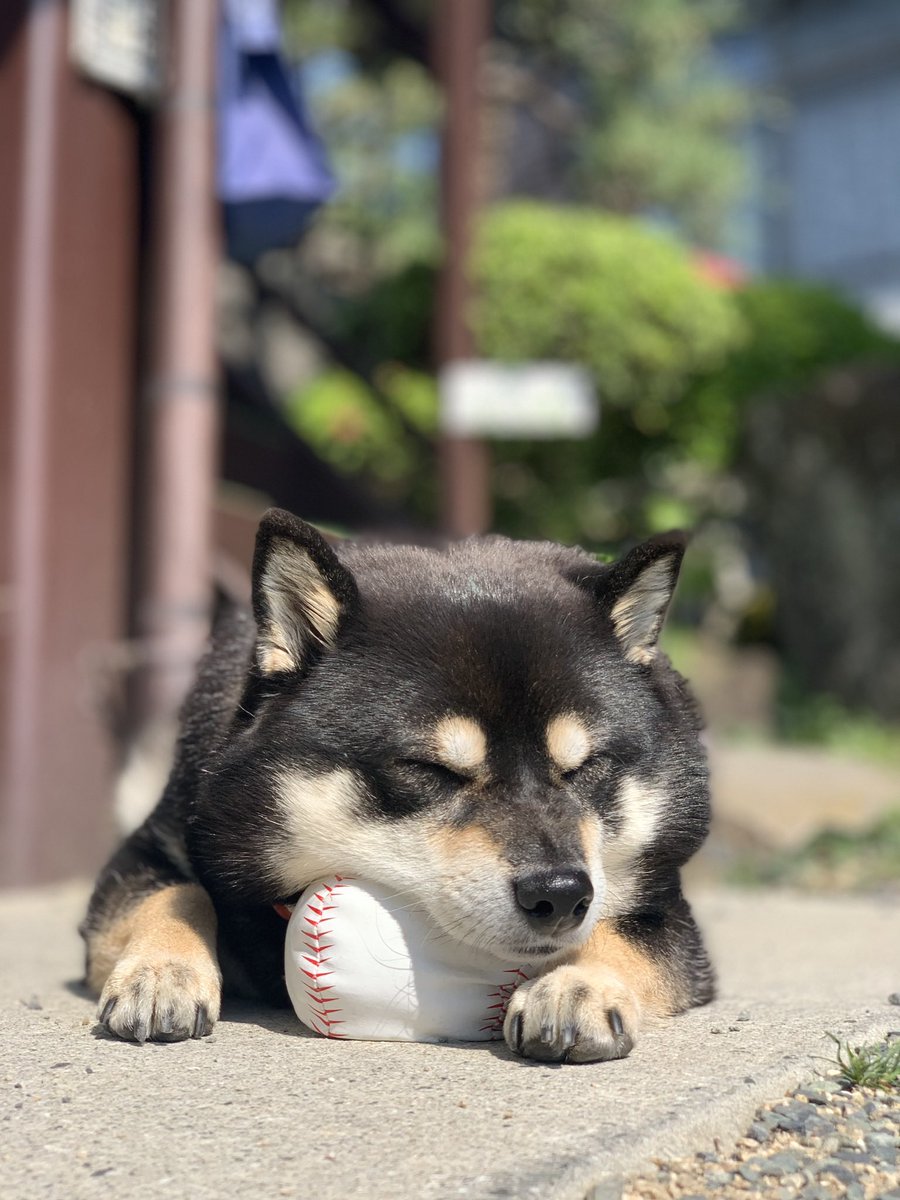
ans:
x=180 y=414
x=68 y=224
x=459 y=33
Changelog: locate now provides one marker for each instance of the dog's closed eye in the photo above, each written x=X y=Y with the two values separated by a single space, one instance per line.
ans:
x=595 y=761
x=434 y=771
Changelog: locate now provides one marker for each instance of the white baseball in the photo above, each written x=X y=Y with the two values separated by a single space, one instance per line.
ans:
x=360 y=962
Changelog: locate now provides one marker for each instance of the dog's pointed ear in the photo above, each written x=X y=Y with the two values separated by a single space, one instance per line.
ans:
x=634 y=593
x=301 y=592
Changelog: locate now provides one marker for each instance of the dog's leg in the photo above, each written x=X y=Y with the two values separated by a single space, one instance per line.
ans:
x=155 y=967
x=593 y=1005
x=150 y=937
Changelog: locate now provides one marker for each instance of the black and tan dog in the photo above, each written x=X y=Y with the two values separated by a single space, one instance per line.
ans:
x=488 y=728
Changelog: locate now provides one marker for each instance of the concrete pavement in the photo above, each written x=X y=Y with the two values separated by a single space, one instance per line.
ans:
x=262 y=1110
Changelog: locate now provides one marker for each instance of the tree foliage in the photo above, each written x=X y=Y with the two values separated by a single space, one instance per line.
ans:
x=655 y=118
x=624 y=300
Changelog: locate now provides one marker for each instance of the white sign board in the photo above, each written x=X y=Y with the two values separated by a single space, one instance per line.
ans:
x=119 y=43
x=527 y=400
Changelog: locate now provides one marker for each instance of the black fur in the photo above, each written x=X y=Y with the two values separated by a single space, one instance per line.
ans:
x=509 y=634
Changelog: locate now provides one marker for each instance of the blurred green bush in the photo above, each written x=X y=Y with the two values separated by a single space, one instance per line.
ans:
x=677 y=361
x=624 y=300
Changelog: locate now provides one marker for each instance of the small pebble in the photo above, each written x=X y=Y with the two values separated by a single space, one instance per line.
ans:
x=817 y=1127
x=718 y=1178
x=852 y=1156
x=783 y=1163
x=836 y=1169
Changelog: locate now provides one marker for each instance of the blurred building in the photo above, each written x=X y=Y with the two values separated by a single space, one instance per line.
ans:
x=824 y=202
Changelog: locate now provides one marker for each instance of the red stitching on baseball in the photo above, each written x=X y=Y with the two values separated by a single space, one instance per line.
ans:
x=495 y=1014
x=318 y=991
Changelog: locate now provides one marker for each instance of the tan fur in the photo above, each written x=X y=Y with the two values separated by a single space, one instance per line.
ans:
x=568 y=741
x=158 y=961
x=607 y=951
x=570 y=1010
x=105 y=948
x=591 y=830
x=325 y=834
x=467 y=843
x=638 y=615
x=292 y=585
x=459 y=743
x=274 y=658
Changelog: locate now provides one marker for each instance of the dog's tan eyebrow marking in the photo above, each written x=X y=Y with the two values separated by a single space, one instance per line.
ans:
x=568 y=742
x=459 y=743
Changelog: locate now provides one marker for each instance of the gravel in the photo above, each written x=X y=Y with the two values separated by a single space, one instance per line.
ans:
x=821 y=1142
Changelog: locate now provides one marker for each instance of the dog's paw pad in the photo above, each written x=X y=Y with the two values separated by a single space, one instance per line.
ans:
x=572 y=1015
x=161 y=999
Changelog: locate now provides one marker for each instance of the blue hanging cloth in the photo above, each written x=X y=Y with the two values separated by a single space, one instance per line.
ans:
x=272 y=172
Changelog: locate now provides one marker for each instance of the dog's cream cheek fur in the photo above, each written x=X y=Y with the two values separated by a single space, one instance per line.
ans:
x=326 y=834
x=642 y=807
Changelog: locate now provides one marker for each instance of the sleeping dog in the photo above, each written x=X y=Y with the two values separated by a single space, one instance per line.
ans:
x=488 y=728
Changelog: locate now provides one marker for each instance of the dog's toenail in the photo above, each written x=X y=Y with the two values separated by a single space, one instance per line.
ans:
x=517 y=1025
x=615 y=1021
x=201 y=1021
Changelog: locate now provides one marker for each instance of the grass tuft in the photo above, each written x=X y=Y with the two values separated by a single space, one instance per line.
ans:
x=873 y=1066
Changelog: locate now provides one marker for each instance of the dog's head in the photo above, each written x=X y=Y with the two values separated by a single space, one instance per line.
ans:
x=490 y=729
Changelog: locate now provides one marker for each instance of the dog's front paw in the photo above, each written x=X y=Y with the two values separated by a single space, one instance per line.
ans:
x=572 y=1014
x=162 y=998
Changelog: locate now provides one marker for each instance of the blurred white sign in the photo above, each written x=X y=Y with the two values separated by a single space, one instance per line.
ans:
x=530 y=400
x=119 y=43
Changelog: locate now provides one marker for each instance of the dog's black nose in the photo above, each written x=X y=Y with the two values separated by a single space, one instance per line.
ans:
x=556 y=900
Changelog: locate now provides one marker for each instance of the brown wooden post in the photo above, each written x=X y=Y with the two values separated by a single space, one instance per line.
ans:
x=180 y=408
x=68 y=232
x=459 y=33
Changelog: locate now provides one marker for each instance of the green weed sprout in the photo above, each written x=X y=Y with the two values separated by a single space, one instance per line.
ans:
x=873 y=1066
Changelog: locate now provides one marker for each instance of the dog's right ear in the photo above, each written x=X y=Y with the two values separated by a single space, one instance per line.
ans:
x=301 y=592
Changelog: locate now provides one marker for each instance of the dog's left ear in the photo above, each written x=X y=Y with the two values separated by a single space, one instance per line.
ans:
x=634 y=593
x=301 y=592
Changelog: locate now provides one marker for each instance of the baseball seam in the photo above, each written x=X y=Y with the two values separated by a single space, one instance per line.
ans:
x=324 y=1003
x=496 y=1012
